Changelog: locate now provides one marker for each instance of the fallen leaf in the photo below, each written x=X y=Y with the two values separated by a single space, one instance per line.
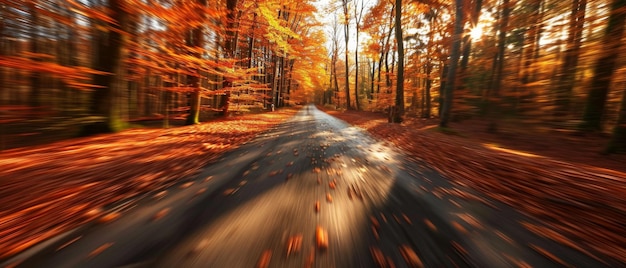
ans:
x=294 y=244
x=375 y=232
x=264 y=261
x=406 y=218
x=321 y=238
x=329 y=198
x=459 y=227
x=317 y=206
x=94 y=212
x=186 y=185
x=410 y=257
x=378 y=256
x=230 y=191
x=375 y=222
x=109 y=217
x=159 y=195
x=68 y=243
x=200 y=191
x=99 y=250
x=430 y=225
x=162 y=213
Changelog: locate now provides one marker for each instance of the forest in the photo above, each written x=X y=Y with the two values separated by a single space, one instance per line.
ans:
x=329 y=133
x=102 y=64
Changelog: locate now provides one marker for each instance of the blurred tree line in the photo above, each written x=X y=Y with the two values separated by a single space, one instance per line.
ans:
x=548 y=62
x=115 y=61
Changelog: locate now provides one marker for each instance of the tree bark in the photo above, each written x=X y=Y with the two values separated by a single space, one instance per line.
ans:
x=35 y=77
x=604 y=68
x=110 y=59
x=454 y=59
x=196 y=40
x=618 y=139
x=346 y=28
x=399 y=105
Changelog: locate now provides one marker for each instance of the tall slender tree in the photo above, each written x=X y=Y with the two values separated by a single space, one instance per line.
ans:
x=398 y=110
x=455 y=52
x=195 y=41
x=358 y=15
x=346 y=36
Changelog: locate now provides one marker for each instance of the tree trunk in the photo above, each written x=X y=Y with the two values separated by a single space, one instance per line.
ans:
x=372 y=78
x=35 y=77
x=567 y=75
x=428 y=68
x=195 y=40
x=454 y=59
x=3 y=47
x=399 y=105
x=618 y=139
x=346 y=28
x=356 y=74
x=467 y=40
x=604 y=68
x=496 y=79
x=110 y=59
x=530 y=43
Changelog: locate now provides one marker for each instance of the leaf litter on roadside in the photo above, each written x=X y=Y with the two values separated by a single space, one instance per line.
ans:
x=69 y=182
x=580 y=203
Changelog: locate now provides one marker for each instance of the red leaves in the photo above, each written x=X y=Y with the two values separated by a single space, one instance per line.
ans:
x=264 y=261
x=294 y=244
x=68 y=182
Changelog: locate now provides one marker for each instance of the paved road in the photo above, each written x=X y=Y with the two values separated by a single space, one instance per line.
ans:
x=267 y=202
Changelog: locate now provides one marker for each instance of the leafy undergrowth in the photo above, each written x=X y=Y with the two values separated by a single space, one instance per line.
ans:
x=578 y=205
x=46 y=190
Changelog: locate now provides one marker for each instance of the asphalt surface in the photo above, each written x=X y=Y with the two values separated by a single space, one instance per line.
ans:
x=258 y=207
